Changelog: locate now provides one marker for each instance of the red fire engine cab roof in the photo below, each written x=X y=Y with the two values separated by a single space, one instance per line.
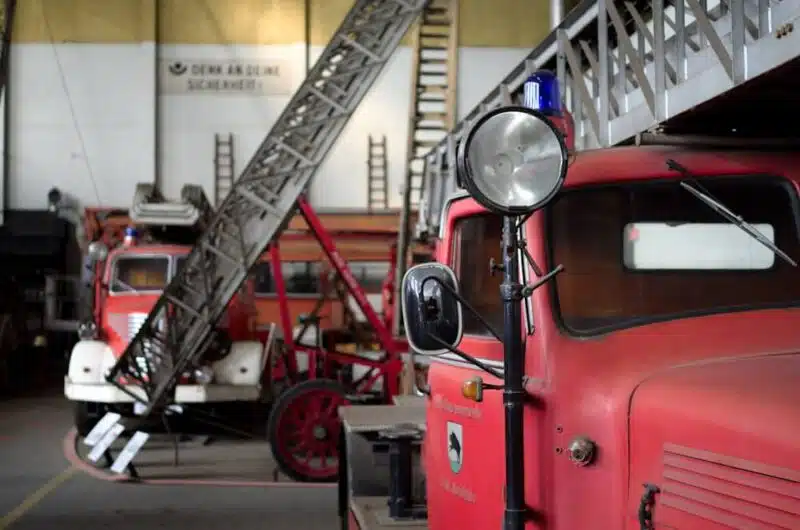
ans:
x=621 y=164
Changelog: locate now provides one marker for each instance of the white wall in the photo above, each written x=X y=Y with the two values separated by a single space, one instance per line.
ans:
x=82 y=119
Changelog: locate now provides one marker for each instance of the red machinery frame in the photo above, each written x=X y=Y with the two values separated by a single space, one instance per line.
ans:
x=316 y=396
x=310 y=406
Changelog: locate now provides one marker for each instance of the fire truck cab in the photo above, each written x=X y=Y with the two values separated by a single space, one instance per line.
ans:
x=124 y=278
x=612 y=338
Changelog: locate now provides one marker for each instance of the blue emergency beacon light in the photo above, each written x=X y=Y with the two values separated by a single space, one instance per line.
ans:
x=131 y=236
x=541 y=92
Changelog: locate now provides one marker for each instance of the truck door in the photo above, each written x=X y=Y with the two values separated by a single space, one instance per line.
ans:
x=464 y=442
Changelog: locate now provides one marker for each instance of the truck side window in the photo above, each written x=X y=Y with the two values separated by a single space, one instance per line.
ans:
x=262 y=278
x=370 y=274
x=476 y=240
x=300 y=277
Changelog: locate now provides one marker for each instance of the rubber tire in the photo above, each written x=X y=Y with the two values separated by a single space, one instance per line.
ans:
x=279 y=407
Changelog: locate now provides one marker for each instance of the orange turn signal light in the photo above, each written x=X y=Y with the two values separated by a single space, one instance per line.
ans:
x=472 y=389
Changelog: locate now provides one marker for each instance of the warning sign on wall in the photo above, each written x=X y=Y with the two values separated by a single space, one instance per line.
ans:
x=226 y=77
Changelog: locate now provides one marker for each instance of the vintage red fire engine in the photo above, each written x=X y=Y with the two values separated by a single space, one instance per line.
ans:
x=126 y=279
x=619 y=352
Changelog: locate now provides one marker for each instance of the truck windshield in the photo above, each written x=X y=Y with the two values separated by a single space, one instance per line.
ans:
x=139 y=273
x=649 y=251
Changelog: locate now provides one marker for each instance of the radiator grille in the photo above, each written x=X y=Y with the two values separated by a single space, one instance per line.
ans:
x=739 y=494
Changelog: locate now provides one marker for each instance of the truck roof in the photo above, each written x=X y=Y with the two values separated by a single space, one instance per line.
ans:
x=628 y=163
x=145 y=248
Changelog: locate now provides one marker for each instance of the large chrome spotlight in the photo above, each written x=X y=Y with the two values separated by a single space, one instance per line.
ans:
x=97 y=251
x=512 y=160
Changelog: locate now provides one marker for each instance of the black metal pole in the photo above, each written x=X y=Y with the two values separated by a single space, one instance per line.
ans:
x=513 y=389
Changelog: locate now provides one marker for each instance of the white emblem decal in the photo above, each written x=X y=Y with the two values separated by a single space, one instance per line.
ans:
x=455 y=445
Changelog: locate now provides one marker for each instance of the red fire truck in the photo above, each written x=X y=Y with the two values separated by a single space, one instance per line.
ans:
x=129 y=261
x=612 y=332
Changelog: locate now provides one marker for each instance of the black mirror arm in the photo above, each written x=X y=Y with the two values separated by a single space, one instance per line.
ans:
x=528 y=289
x=523 y=247
x=464 y=303
x=467 y=357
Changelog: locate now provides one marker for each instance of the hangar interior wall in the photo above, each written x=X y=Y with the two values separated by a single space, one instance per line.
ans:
x=86 y=115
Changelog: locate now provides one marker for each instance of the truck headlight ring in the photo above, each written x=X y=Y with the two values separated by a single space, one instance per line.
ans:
x=512 y=160
x=97 y=251
x=203 y=375
x=87 y=331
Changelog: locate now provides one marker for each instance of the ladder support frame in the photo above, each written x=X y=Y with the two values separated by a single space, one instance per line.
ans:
x=676 y=55
x=175 y=336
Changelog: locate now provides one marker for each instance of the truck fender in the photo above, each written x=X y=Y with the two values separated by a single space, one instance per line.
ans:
x=242 y=365
x=89 y=362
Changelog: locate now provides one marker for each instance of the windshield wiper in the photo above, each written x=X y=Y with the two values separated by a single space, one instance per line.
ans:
x=725 y=212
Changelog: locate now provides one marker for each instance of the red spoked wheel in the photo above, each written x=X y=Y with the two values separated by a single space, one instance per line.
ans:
x=303 y=430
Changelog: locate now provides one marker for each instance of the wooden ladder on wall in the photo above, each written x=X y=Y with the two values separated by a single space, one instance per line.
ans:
x=223 y=166
x=377 y=175
x=433 y=108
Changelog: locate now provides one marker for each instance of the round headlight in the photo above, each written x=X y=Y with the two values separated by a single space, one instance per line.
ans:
x=87 y=331
x=512 y=160
x=98 y=251
x=203 y=375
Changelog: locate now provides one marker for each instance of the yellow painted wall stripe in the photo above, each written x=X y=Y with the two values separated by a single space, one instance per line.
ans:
x=507 y=23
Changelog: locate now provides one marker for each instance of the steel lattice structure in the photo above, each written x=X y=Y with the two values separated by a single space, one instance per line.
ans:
x=629 y=67
x=178 y=329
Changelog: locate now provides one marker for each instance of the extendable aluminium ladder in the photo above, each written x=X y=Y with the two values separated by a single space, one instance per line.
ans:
x=627 y=68
x=263 y=199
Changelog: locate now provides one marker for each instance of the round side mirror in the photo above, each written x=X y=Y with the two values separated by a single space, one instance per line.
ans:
x=432 y=315
x=512 y=160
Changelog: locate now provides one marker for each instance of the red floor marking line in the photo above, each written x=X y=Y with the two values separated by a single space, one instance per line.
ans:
x=235 y=483
x=71 y=454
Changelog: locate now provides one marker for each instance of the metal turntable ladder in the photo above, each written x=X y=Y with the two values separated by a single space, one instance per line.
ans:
x=631 y=67
x=262 y=200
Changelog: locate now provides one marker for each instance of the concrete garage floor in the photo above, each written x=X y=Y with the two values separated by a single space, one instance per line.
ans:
x=39 y=489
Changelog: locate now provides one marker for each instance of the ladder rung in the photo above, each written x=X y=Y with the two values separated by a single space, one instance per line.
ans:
x=258 y=201
x=432 y=115
x=432 y=88
x=214 y=250
x=183 y=306
x=436 y=23
x=431 y=97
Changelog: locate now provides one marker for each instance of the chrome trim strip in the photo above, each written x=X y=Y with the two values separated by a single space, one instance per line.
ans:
x=453 y=360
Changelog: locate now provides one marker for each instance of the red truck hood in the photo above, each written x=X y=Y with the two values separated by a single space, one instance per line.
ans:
x=721 y=441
